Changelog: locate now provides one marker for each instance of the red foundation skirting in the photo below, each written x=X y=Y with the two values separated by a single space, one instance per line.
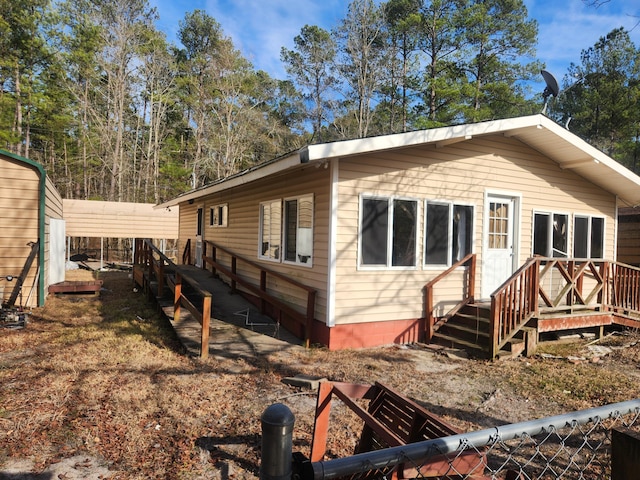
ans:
x=371 y=334
x=356 y=335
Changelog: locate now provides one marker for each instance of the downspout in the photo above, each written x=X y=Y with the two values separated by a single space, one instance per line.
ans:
x=615 y=230
x=333 y=234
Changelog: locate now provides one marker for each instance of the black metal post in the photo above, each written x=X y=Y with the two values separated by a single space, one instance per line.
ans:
x=277 y=443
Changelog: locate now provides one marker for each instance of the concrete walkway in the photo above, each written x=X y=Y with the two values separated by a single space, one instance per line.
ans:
x=237 y=330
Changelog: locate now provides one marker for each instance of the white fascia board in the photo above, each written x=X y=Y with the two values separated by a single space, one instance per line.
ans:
x=420 y=137
x=628 y=186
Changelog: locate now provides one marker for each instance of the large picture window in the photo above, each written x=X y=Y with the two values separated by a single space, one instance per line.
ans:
x=270 y=230
x=550 y=234
x=298 y=229
x=588 y=237
x=448 y=233
x=388 y=229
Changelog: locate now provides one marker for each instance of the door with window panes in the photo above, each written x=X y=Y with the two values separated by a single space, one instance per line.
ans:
x=499 y=253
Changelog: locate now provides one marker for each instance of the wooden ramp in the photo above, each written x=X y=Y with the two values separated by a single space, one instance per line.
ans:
x=236 y=327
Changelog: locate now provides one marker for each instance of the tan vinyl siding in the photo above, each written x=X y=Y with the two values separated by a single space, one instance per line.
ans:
x=187 y=227
x=96 y=219
x=19 y=214
x=241 y=235
x=460 y=173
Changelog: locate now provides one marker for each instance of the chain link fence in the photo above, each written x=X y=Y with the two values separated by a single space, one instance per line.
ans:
x=576 y=445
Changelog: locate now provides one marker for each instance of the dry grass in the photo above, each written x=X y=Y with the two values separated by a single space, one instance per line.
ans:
x=105 y=376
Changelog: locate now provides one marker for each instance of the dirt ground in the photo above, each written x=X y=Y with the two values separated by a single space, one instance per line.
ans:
x=98 y=387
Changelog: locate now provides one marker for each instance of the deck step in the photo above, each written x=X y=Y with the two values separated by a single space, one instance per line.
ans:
x=476 y=310
x=455 y=342
x=464 y=329
x=471 y=316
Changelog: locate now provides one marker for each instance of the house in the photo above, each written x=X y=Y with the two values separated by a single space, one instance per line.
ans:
x=367 y=223
x=32 y=234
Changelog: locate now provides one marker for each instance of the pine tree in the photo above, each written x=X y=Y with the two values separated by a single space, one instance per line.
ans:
x=602 y=97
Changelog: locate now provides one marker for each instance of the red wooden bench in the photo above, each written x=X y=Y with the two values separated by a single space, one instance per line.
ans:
x=393 y=420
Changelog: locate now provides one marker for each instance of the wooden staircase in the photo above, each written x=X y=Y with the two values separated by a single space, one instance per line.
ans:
x=469 y=330
x=543 y=295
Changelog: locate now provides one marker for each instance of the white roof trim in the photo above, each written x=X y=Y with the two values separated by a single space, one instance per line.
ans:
x=537 y=131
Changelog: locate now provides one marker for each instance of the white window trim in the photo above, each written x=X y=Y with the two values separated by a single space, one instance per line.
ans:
x=451 y=204
x=261 y=228
x=551 y=213
x=284 y=230
x=225 y=215
x=390 y=200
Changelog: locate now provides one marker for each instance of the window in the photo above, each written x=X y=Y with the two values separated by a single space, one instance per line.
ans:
x=218 y=216
x=550 y=234
x=499 y=221
x=448 y=233
x=286 y=230
x=388 y=232
x=270 y=230
x=588 y=237
x=298 y=229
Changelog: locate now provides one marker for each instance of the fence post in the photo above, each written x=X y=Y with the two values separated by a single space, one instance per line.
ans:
x=234 y=271
x=496 y=320
x=430 y=319
x=206 y=321
x=177 y=297
x=311 y=305
x=263 y=288
x=277 y=443
x=625 y=453
x=214 y=257
x=160 y=278
x=204 y=255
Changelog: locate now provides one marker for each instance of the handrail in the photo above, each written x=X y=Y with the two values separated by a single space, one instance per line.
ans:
x=524 y=295
x=186 y=253
x=260 y=291
x=625 y=288
x=429 y=308
x=157 y=268
x=513 y=304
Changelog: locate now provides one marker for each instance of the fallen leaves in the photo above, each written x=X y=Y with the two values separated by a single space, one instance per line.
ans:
x=104 y=378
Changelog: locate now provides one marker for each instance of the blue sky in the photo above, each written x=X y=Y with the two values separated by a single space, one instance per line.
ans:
x=259 y=28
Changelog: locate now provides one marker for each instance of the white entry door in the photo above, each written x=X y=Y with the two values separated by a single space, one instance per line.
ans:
x=500 y=234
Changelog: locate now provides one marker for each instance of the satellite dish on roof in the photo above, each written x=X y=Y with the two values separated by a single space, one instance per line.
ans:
x=552 y=88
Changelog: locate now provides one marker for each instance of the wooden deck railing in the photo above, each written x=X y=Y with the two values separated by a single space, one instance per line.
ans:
x=547 y=285
x=157 y=265
x=513 y=304
x=625 y=289
x=467 y=298
x=230 y=270
x=186 y=253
